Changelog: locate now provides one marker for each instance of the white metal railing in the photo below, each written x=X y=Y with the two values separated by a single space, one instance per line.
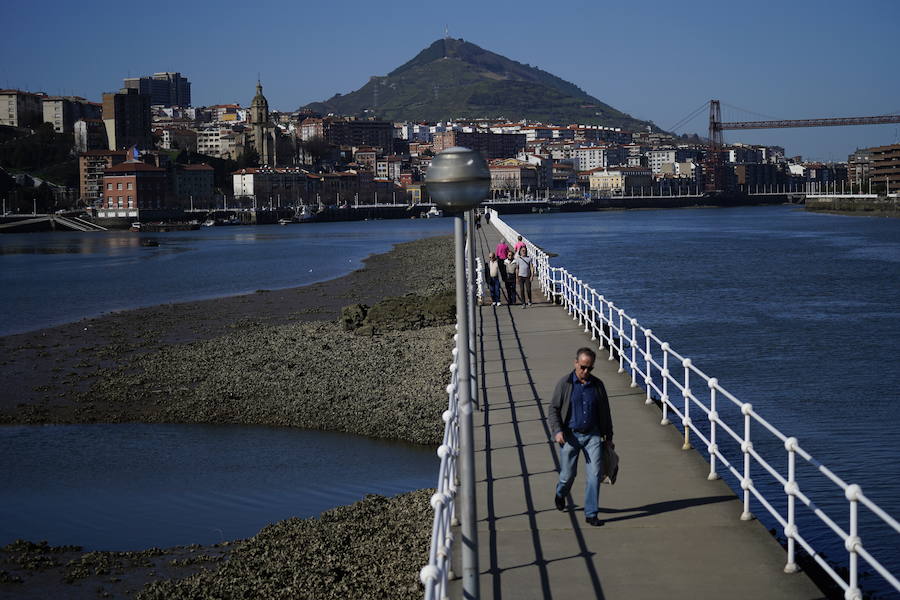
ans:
x=437 y=572
x=653 y=362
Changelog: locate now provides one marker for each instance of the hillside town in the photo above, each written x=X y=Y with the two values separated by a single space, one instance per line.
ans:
x=146 y=147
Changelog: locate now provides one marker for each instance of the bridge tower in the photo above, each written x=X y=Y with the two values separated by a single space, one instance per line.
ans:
x=714 y=162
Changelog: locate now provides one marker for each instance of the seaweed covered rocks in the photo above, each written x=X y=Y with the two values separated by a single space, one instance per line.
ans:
x=371 y=549
x=387 y=386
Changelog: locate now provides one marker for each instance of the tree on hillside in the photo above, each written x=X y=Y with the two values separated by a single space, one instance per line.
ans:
x=248 y=158
x=317 y=148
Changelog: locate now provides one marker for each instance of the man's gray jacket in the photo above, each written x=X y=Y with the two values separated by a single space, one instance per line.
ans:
x=560 y=407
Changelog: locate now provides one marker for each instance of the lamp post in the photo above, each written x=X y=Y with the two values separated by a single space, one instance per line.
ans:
x=458 y=180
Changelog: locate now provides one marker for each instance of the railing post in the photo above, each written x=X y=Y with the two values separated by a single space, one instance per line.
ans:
x=665 y=383
x=746 y=446
x=602 y=300
x=791 y=489
x=586 y=293
x=621 y=340
x=853 y=543
x=634 y=367
x=686 y=394
x=593 y=315
x=647 y=359
x=609 y=321
x=713 y=419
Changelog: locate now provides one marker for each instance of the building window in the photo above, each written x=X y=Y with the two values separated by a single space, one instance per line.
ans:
x=109 y=186
x=130 y=186
x=118 y=186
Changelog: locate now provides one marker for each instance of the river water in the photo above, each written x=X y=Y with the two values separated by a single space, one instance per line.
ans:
x=53 y=278
x=797 y=313
x=133 y=486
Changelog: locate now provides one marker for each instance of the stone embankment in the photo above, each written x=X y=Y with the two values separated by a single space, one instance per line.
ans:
x=376 y=342
x=876 y=207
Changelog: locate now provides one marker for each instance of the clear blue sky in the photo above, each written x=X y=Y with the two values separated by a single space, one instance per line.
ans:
x=657 y=60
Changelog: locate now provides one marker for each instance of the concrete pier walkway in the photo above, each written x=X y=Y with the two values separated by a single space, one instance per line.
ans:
x=668 y=533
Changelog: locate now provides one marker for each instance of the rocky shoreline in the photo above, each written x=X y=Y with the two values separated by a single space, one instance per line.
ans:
x=268 y=358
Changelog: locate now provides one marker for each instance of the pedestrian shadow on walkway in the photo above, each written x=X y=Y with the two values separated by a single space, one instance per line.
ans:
x=657 y=508
x=513 y=358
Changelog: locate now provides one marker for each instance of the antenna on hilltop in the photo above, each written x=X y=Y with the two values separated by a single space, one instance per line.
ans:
x=446 y=32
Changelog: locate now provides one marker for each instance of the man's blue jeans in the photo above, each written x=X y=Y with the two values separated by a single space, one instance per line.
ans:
x=494 y=283
x=591 y=444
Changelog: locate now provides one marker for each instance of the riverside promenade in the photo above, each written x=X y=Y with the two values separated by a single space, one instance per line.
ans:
x=668 y=533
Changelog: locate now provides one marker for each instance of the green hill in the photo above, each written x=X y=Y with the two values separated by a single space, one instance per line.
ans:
x=457 y=79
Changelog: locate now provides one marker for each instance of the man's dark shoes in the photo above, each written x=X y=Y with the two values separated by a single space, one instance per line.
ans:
x=593 y=521
x=560 y=502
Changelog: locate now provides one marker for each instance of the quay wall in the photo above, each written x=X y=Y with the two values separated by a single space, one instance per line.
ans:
x=878 y=206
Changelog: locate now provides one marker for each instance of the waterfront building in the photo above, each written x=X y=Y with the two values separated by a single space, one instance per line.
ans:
x=859 y=166
x=220 y=142
x=656 y=158
x=64 y=111
x=757 y=175
x=132 y=185
x=90 y=134
x=620 y=180
x=510 y=174
x=886 y=167
x=592 y=157
x=91 y=166
x=21 y=109
x=126 y=115
x=194 y=184
x=164 y=89
x=283 y=186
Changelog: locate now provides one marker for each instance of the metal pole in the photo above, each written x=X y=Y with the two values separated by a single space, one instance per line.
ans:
x=470 y=236
x=466 y=432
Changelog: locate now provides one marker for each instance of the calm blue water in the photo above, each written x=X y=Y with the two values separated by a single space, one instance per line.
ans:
x=52 y=278
x=797 y=313
x=130 y=487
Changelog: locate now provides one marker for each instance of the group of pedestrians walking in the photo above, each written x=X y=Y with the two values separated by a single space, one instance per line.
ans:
x=509 y=267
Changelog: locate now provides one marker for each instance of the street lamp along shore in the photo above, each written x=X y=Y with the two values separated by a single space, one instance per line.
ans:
x=458 y=180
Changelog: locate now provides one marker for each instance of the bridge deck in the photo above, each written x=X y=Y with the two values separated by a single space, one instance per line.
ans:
x=668 y=533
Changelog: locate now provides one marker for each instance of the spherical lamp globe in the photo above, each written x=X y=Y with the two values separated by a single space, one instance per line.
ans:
x=458 y=179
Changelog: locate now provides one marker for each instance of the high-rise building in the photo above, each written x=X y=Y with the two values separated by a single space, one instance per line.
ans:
x=164 y=89
x=126 y=115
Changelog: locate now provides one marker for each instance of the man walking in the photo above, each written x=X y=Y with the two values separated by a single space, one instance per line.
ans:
x=524 y=273
x=580 y=422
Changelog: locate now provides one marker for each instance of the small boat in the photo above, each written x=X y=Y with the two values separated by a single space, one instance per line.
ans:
x=135 y=226
x=284 y=221
x=433 y=212
x=209 y=223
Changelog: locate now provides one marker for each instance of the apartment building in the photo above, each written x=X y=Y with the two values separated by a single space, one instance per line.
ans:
x=511 y=174
x=21 y=109
x=91 y=166
x=491 y=145
x=886 y=166
x=64 y=111
x=89 y=134
x=592 y=157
